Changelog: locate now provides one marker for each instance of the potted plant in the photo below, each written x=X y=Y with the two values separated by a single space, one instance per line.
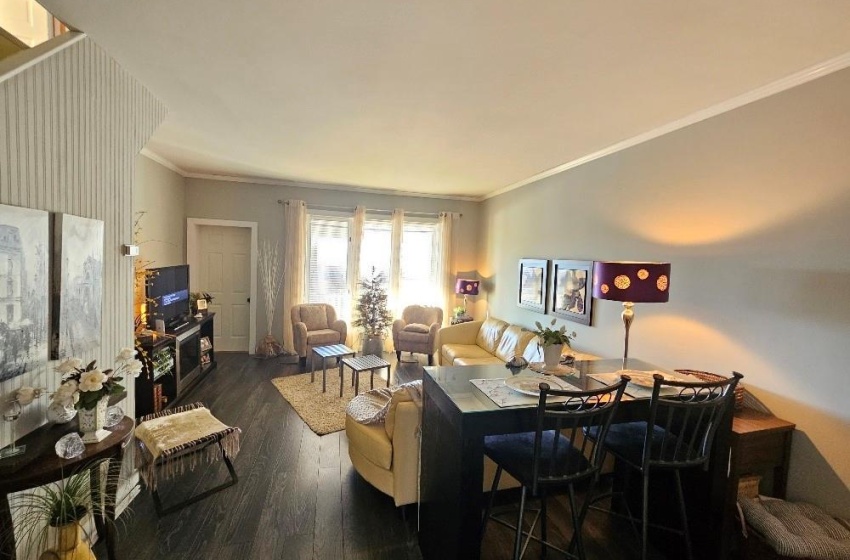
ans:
x=553 y=342
x=88 y=389
x=372 y=313
x=58 y=508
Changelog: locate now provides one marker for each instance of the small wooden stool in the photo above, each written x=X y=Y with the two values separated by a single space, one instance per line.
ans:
x=166 y=440
x=363 y=363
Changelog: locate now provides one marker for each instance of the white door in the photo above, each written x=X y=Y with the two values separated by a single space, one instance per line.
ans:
x=225 y=273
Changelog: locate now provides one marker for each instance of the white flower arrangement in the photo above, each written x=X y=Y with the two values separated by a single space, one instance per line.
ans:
x=84 y=387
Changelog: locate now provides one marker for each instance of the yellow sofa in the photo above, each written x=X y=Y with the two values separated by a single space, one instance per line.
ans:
x=491 y=341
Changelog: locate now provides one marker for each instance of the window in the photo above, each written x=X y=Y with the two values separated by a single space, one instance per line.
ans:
x=418 y=283
x=327 y=272
x=376 y=248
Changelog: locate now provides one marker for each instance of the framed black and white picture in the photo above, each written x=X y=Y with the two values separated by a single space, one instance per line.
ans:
x=77 y=285
x=569 y=294
x=24 y=289
x=532 y=284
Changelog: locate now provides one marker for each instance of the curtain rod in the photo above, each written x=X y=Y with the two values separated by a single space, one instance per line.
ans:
x=368 y=210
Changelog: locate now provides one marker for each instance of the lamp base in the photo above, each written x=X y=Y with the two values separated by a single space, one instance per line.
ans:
x=628 y=316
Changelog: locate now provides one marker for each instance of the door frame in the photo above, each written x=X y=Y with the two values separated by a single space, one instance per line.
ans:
x=193 y=257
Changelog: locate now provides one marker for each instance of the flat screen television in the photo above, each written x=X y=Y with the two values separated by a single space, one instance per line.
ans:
x=168 y=295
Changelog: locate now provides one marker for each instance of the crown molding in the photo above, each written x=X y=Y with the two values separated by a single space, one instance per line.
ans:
x=325 y=186
x=798 y=78
x=153 y=156
x=19 y=62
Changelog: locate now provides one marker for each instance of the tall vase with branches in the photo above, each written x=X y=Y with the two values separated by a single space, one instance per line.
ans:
x=271 y=279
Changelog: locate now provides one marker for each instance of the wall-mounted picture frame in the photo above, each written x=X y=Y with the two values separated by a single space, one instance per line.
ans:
x=533 y=280
x=24 y=290
x=77 y=285
x=569 y=293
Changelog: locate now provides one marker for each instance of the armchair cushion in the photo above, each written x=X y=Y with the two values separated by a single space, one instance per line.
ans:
x=314 y=317
x=322 y=337
x=417 y=328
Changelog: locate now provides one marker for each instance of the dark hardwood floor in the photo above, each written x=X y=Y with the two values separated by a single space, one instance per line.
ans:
x=298 y=495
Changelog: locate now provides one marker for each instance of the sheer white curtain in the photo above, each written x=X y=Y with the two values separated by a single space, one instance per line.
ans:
x=294 y=262
x=445 y=270
x=354 y=272
x=397 y=223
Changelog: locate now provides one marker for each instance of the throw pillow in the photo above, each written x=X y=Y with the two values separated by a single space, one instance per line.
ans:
x=417 y=328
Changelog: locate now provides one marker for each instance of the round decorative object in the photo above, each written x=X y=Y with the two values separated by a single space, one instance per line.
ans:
x=530 y=385
x=643 y=274
x=622 y=282
x=661 y=283
x=604 y=288
x=114 y=415
x=60 y=414
x=70 y=446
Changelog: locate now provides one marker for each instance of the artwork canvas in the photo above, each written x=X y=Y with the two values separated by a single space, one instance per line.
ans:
x=570 y=298
x=24 y=289
x=77 y=285
x=532 y=284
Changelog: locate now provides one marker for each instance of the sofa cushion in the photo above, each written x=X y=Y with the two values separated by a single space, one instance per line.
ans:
x=489 y=334
x=399 y=396
x=478 y=361
x=371 y=441
x=315 y=317
x=454 y=351
x=322 y=336
x=417 y=328
x=513 y=342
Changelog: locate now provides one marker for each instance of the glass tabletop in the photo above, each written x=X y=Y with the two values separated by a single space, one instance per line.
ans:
x=455 y=380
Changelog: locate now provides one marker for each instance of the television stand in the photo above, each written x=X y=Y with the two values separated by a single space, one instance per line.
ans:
x=173 y=364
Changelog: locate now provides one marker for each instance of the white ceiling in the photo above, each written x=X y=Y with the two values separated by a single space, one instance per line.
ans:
x=436 y=96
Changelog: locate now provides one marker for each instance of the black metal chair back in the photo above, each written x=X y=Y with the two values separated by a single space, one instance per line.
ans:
x=569 y=418
x=683 y=420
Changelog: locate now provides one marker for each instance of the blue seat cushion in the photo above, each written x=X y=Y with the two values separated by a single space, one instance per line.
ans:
x=515 y=454
x=626 y=440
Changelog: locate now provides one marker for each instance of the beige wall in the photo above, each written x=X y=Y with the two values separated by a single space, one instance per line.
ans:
x=752 y=210
x=161 y=194
x=258 y=203
x=72 y=126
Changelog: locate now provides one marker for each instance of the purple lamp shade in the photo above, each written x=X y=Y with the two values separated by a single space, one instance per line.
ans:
x=637 y=282
x=466 y=287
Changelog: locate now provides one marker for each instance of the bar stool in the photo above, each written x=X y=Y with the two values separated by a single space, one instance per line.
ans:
x=553 y=457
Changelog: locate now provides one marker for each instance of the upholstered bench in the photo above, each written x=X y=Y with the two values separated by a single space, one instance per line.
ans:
x=781 y=530
x=168 y=442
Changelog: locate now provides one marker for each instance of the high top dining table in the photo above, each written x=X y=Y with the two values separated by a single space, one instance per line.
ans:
x=457 y=416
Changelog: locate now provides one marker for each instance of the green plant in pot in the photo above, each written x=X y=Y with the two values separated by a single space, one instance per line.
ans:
x=373 y=316
x=59 y=509
x=552 y=341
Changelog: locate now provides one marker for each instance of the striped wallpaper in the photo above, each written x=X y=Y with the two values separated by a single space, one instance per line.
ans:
x=71 y=125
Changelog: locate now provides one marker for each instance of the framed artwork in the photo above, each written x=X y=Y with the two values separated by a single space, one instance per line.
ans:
x=569 y=294
x=24 y=289
x=532 y=284
x=77 y=285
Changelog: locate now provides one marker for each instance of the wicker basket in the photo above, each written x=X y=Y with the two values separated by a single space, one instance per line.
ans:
x=706 y=376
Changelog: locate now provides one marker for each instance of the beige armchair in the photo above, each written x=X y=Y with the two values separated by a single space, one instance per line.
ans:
x=315 y=324
x=416 y=331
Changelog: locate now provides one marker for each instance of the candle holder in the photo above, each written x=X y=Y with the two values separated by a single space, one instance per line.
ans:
x=11 y=414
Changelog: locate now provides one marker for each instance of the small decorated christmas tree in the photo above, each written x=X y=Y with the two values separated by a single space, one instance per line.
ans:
x=372 y=313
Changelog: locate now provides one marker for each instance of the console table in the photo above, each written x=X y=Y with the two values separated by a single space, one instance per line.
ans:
x=40 y=465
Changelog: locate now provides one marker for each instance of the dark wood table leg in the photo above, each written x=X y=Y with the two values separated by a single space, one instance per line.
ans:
x=7 y=530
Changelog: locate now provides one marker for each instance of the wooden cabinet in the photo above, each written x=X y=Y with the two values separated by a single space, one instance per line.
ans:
x=173 y=364
x=760 y=444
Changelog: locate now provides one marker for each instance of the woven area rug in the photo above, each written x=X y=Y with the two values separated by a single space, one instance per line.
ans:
x=324 y=413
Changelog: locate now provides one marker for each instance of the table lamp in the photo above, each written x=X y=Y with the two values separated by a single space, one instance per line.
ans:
x=631 y=282
x=466 y=287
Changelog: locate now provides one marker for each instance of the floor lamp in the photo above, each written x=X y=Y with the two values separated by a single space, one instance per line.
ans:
x=631 y=282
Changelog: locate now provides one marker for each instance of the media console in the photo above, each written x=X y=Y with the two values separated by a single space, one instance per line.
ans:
x=173 y=364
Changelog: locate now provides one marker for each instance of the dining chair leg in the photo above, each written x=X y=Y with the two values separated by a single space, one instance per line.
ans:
x=576 y=516
x=684 y=514
x=518 y=538
x=491 y=501
x=644 y=530
x=575 y=541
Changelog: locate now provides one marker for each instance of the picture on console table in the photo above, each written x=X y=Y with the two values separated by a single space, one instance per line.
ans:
x=569 y=296
x=24 y=260
x=532 y=284
x=77 y=285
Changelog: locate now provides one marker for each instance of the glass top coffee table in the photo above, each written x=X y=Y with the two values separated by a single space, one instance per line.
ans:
x=337 y=351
